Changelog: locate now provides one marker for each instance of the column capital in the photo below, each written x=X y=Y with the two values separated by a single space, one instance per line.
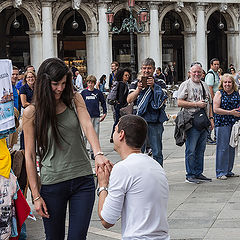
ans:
x=56 y=32
x=188 y=33
x=91 y=34
x=153 y=5
x=47 y=3
x=231 y=32
x=201 y=6
x=34 y=33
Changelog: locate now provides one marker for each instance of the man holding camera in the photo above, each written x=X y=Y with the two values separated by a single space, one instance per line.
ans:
x=190 y=98
x=151 y=106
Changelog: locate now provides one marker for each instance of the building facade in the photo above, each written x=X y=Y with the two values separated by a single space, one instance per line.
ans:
x=180 y=32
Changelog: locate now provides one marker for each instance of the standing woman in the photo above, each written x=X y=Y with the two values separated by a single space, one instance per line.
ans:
x=26 y=95
x=123 y=76
x=225 y=104
x=66 y=173
x=26 y=91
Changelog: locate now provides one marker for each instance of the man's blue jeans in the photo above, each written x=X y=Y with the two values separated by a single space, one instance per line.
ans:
x=194 y=152
x=155 y=132
x=80 y=194
x=225 y=154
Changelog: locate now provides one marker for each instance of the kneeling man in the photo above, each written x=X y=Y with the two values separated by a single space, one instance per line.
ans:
x=137 y=188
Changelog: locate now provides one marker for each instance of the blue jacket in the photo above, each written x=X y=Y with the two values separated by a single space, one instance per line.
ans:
x=151 y=105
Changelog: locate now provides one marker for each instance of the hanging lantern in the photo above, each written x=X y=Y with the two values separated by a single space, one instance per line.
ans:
x=110 y=16
x=176 y=25
x=131 y=3
x=16 y=23
x=74 y=24
x=143 y=15
x=221 y=25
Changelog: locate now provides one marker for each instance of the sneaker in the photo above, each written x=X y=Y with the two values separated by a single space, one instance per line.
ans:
x=203 y=178
x=211 y=142
x=149 y=152
x=192 y=180
x=232 y=175
x=223 y=177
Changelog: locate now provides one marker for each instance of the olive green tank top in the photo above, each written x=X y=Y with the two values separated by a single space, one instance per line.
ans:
x=71 y=159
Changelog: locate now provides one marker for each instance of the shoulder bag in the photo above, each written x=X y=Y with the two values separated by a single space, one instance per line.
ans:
x=200 y=119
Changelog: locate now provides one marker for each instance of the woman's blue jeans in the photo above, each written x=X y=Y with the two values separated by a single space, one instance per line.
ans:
x=225 y=154
x=80 y=194
x=117 y=117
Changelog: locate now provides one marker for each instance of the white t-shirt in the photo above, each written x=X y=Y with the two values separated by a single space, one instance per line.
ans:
x=138 y=192
x=193 y=92
x=79 y=83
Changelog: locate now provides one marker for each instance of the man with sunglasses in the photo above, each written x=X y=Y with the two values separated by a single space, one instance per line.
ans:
x=191 y=99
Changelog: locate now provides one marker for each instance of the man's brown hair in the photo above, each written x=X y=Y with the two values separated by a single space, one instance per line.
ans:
x=135 y=129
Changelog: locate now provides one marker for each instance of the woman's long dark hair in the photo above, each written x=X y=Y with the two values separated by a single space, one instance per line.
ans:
x=120 y=73
x=102 y=78
x=52 y=69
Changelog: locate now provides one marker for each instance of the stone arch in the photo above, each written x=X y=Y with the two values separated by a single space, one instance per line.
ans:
x=121 y=6
x=87 y=14
x=32 y=16
x=186 y=16
x=230 y=17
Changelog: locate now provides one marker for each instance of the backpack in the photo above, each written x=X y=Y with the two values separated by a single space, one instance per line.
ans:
x=112 y=96
x=210 y=73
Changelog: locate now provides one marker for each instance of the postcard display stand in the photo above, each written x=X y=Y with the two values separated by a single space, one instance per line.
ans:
x=7 y=123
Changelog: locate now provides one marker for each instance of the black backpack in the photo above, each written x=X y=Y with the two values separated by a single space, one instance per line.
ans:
x=112 y=96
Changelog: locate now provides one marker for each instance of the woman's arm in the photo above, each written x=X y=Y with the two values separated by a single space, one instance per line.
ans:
x=218 y=110
x=89 y=131
x=24 y=101
x=30 y=156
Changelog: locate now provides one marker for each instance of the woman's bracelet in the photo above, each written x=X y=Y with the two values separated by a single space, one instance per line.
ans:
x=98 y=153
x=36 y=198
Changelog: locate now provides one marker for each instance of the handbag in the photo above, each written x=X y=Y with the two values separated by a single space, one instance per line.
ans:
x=200 y=119
x=127 y=110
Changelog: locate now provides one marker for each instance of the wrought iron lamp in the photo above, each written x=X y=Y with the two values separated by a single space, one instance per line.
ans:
x=74 y=22
x=130 y=25
x=221 y=24
x=16 y=23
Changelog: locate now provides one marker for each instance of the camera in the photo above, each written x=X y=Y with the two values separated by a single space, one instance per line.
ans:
x=144 y=81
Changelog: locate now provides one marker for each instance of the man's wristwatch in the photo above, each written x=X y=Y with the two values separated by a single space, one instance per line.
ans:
x=101 y=189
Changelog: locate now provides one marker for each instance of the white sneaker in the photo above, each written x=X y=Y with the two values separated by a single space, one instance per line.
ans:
x=223 y=177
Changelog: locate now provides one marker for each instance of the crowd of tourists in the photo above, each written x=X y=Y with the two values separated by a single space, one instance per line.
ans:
x=60 y=115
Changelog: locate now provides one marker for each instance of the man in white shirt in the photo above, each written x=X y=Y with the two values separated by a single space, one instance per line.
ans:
x=79 y=83
x=137 y=188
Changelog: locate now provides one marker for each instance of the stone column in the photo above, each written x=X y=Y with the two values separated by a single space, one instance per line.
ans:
x=103 y=42
x=154 y=44
x=189 y=49
x=142 y=40
x=201 y=36
x=47 y=29
x=92 y=56
x=35 y=42
x=161 y=49
x=232 y=47
x=55 y=42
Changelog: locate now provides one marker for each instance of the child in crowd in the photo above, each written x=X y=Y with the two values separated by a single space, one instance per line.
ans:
x=92 y=98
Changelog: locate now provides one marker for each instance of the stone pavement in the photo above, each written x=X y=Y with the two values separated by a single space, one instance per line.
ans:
x=206 y=211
